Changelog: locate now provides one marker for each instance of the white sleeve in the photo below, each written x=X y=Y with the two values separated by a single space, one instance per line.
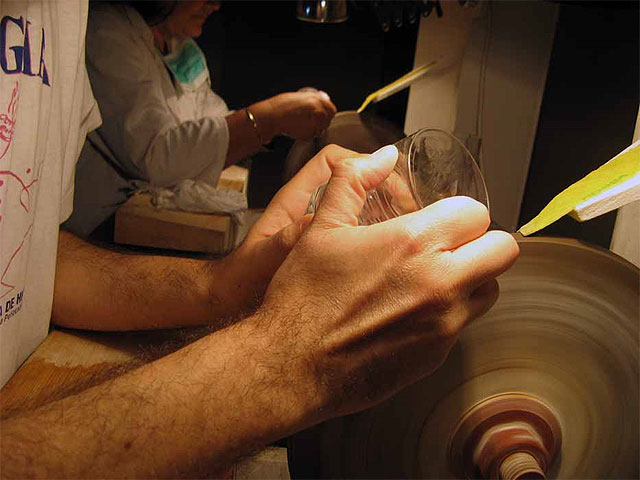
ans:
x=138 y=125
x=212 y=104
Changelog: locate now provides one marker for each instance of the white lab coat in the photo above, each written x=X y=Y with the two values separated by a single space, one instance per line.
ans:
x=153 y=131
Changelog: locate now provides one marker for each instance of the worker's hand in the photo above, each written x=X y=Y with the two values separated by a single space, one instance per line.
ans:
x=357 y=312
x=301 y=115
x=249 y=269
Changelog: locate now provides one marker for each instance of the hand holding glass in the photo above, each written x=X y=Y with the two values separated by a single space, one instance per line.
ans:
x=432 y=164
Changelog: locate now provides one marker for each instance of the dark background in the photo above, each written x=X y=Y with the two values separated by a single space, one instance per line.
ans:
x=589 y=108
x=259 y=49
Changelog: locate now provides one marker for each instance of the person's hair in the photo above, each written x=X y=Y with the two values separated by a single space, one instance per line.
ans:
x=153 y=11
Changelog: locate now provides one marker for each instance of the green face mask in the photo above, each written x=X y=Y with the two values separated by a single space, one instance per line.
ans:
x=187 y=63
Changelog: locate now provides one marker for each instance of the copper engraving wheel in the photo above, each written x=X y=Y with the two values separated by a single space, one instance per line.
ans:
x=562 y=340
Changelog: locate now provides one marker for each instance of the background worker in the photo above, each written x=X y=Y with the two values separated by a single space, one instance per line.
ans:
x=161 y=121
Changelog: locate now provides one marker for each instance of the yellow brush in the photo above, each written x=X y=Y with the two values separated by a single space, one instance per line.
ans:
x=397 y=85
x=613 y=185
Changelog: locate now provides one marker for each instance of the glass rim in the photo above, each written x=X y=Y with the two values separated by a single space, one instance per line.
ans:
x=409 y=160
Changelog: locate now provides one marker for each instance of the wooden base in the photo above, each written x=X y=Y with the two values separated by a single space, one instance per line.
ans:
x=139 y=222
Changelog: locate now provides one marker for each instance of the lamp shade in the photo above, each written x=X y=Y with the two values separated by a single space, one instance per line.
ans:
x=322 y=11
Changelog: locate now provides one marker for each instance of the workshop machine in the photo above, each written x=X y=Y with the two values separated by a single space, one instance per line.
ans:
x=545 y=385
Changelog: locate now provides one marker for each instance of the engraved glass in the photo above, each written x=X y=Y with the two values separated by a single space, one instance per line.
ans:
x=432 y=164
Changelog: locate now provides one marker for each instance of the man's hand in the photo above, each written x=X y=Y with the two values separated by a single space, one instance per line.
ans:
x=248 y=270
x=97 y=289
x=353 y=314
x=358 y=312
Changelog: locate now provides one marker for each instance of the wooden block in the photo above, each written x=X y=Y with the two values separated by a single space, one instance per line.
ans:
x=615 y=197
x=234 y=178
x=270 y=463
x=138 y=222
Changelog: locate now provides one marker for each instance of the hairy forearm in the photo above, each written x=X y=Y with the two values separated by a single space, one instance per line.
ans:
x=188 y=414
x=98 y=289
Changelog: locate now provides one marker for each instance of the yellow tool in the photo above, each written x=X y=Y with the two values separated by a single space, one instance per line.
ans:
x=397 y=85
x=611 y=186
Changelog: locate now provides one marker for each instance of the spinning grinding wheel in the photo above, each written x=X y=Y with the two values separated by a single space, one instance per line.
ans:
x=544 y=385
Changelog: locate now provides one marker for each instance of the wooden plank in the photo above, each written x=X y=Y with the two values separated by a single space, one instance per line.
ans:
x=234 y=178
x=64 y=364
x=139 y=222
x=70 y=361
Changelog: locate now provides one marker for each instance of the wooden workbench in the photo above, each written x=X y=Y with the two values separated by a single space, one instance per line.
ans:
x=69 y=361
x=138 y=222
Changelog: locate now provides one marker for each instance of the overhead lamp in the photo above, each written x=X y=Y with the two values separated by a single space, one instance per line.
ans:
x=322 y=11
